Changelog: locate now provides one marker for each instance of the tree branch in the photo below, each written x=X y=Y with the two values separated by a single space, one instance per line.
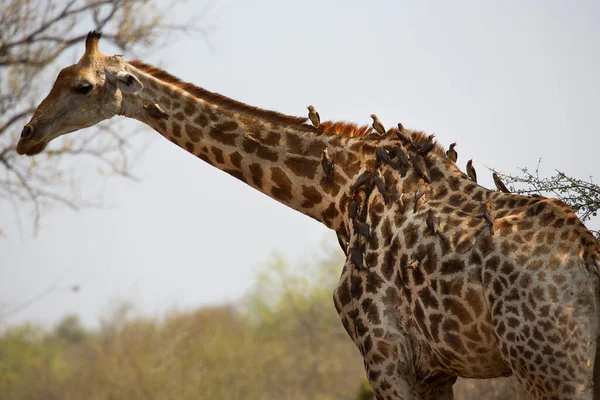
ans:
x=15 y=118
x=582 y=196
x=34 y=34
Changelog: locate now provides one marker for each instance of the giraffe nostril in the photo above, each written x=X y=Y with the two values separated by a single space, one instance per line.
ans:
x=27 y=132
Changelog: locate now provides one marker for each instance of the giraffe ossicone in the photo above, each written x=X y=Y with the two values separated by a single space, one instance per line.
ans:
x=513 y=289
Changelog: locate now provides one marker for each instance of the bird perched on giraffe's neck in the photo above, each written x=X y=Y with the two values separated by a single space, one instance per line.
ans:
x=382 y=155
x=489 y=214
x=471 y=171
x=418 y=194
x=327 y=163
x=421 y=167
x=403 y=136
x=380 y=184
x=314 y=117
x=451 y=154
x=377 y=125
x=499 y=184
x=397 y=195
x=426 y=147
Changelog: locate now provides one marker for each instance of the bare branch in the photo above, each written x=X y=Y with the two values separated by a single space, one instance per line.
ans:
x=61 y=16
x=16 y=118
x=33 y=35
x=582 y=196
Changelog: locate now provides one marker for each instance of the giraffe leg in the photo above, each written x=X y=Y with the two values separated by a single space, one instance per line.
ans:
x=387 y=356
x=597 y=372
x=436 y=387
x=404 y=386
x=392 y=388
x=387 y=352
x=548 y=333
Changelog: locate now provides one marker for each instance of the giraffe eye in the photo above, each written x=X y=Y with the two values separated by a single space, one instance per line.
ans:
x=83 y=87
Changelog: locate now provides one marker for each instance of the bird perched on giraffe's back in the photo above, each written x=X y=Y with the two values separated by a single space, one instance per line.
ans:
x=489 y=214
x=421 y=167
x=499 y=184
x=380 y=184
x=327 y=163
x=429 y=144
x=451 y=154
x=314 y=117
x=471 y=171
x=377 y=125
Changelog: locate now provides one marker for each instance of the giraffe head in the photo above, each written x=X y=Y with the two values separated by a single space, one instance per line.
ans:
x=83 y=95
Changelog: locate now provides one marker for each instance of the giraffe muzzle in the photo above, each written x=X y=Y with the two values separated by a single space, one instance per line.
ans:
x=27 y=143
x=27 y=132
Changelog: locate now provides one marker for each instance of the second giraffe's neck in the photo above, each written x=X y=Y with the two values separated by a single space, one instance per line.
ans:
x=275 y=154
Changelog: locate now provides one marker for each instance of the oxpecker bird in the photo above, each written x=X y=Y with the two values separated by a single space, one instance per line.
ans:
x=428 y=145
x=403 y=137
x=451 y=154
x=327 y=164
x=377 y=125
x=489 y=214
x=433 y=223
x=383 y=156
x=342 y=240
x=471 y=171
x=364 y=179
x=313 y=115
x=356 y=256
x=362 y=228
x=353 y=207
x=418 y=194
x=499 y=184
x=402 y=154
x=397 y=195
x=421 y=167
x=403 y=159
x=380 y=183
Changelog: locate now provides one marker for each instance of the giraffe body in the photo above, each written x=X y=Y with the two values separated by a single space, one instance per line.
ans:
x=522 y=301
x=424 y=306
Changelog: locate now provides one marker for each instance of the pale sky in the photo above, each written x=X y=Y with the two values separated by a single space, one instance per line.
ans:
x=510 y=82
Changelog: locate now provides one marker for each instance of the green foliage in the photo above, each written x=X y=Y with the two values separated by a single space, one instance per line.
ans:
x=284 y=340
x=581 y=195
x=365 y=392
x=32 y=364
x=70 y=329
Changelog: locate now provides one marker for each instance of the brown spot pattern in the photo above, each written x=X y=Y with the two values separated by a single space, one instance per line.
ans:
x=193 y=133
x=282 y=188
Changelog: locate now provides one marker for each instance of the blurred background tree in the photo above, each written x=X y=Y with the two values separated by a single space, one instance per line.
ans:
x=583 y=196
x=70 y=329
x=37 y=37
x=283 y=340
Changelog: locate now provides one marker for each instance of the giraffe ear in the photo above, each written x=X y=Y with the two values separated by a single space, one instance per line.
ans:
x=127 y=82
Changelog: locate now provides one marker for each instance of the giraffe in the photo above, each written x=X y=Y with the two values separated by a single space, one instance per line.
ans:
x=516 y=294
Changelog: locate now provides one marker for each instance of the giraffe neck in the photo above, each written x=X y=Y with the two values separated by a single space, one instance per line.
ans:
x=281 y=159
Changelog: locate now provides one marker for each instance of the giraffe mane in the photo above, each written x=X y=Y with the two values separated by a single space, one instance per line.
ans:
x=354 y=130
x=420 y=137
x=329 y=127
x=218 y=99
